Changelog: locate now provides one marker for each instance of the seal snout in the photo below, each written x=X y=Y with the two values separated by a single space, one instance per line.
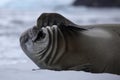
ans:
x=24 y=37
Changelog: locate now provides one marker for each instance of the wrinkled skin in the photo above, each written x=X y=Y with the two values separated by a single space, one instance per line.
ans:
x=67 y=46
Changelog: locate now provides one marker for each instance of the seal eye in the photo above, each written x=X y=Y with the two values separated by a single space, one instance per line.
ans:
x=40 y=35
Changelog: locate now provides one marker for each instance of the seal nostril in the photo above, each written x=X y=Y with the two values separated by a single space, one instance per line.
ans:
x=40 y=35
x=43 y=35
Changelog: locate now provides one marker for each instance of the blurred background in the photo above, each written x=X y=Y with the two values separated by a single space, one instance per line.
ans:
x=18 y=15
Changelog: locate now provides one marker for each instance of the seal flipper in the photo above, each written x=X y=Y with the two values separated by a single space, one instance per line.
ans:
x=73 y=27
x=50 y=19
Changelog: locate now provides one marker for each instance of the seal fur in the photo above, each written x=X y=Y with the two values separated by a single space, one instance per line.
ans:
x=58 y=44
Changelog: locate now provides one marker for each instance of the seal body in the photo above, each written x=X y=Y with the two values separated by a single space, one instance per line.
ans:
x=94 y=49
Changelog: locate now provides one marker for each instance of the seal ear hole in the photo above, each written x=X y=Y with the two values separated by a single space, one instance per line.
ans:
x=40 y=35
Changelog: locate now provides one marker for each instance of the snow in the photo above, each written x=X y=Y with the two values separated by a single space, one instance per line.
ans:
x=22 y=71
x=15 y=65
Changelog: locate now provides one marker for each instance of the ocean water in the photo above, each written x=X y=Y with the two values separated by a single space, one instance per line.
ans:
x=16 y=20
